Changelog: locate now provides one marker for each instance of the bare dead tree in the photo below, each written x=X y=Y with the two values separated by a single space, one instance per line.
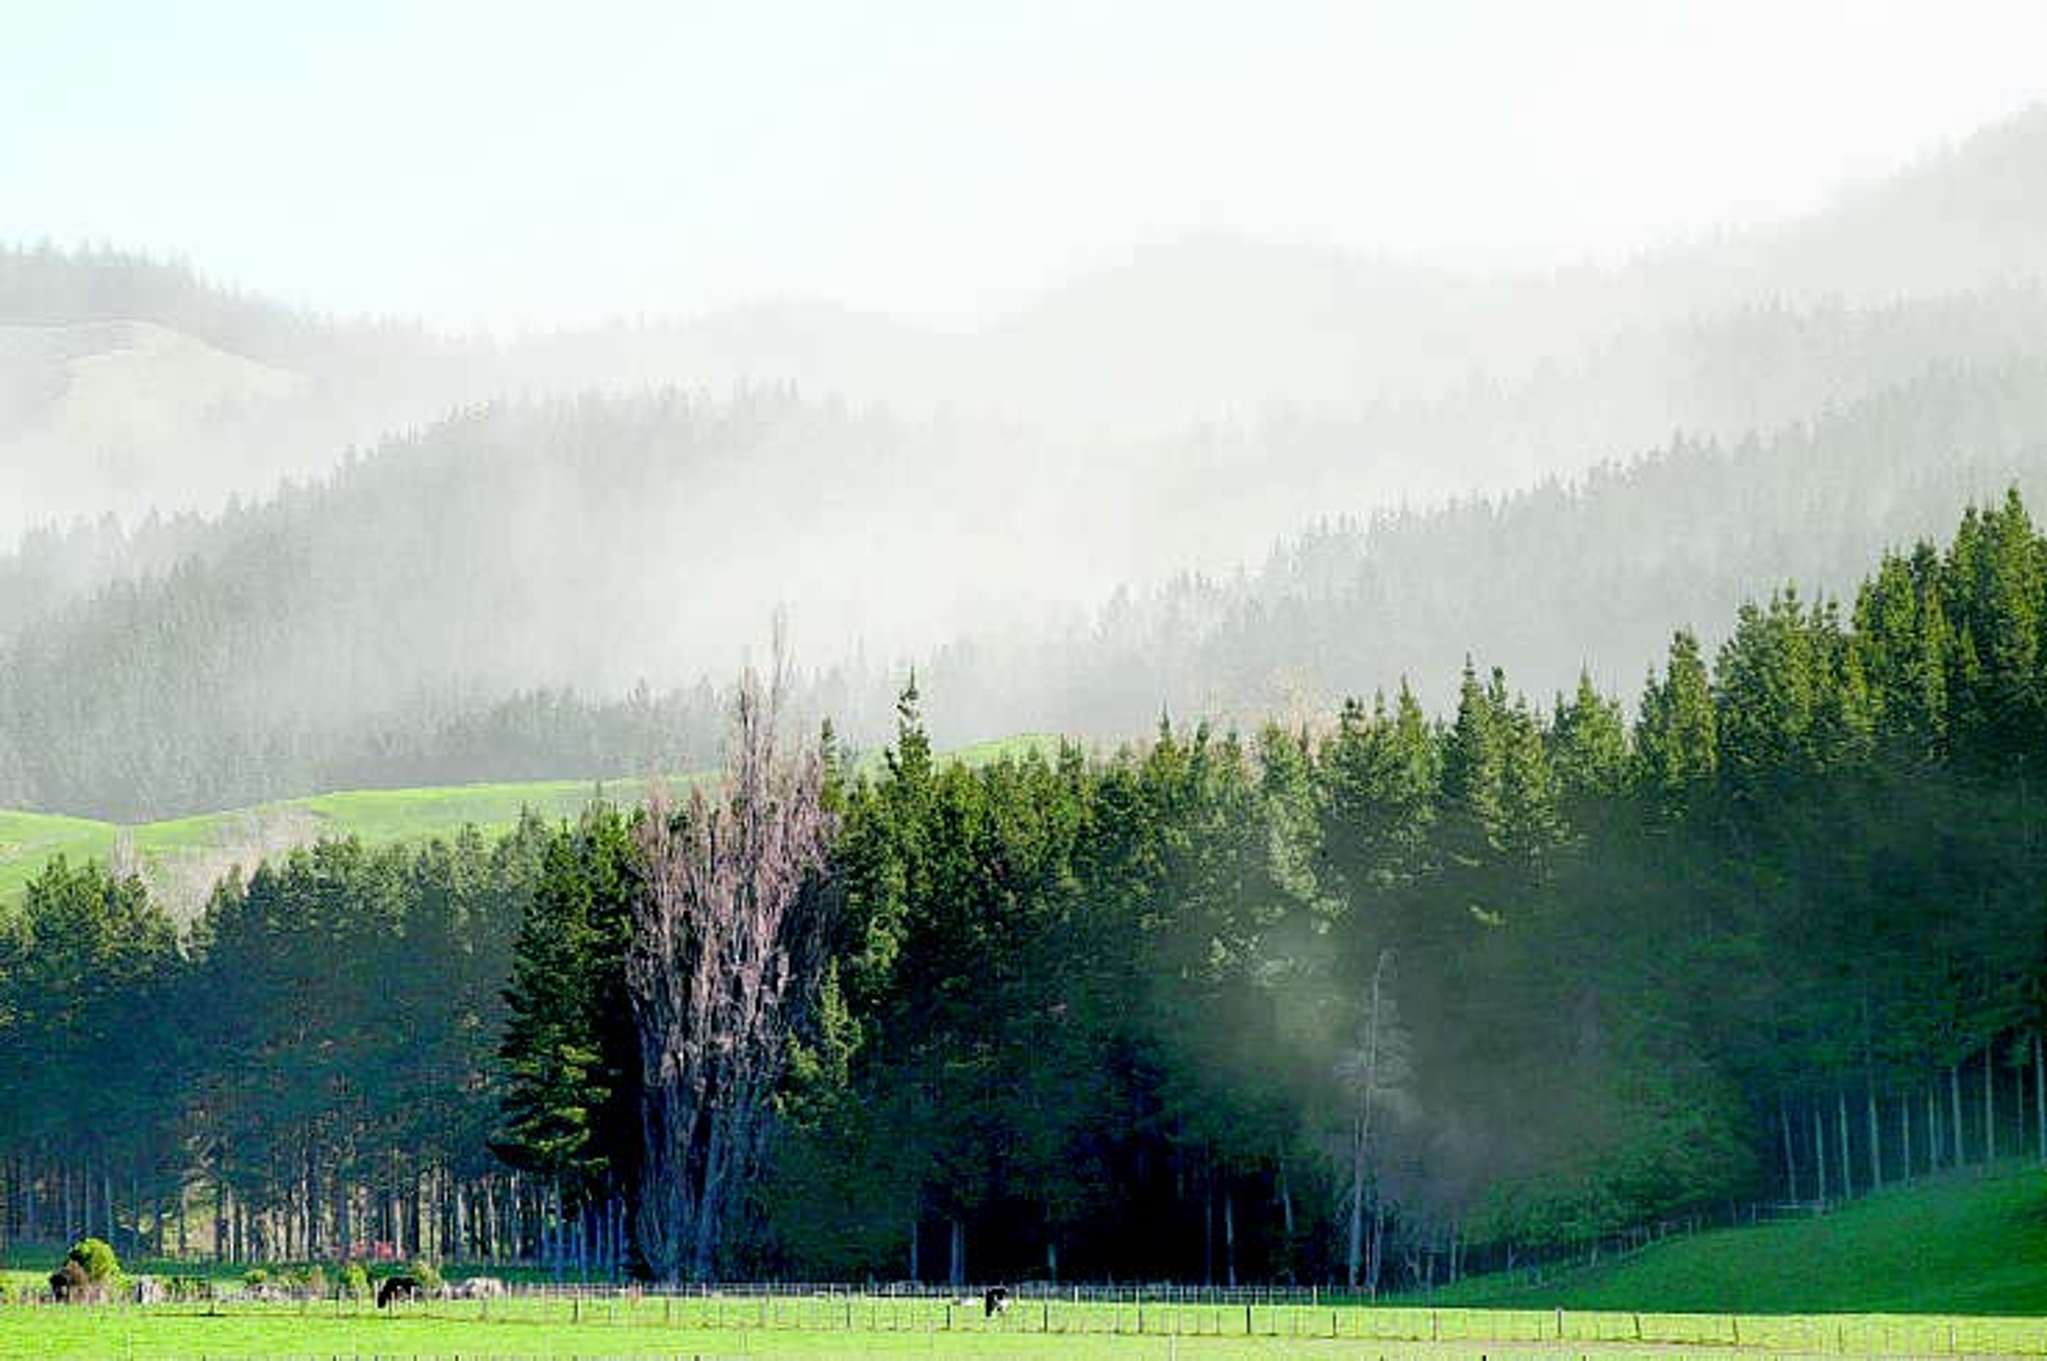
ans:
x=1378 y=1064
x=727 y=946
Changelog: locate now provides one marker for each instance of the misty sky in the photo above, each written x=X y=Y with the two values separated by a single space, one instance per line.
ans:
x=511 y=164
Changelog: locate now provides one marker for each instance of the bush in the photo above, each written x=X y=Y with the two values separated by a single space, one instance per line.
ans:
x=255 y=1276
x=95 y=1256
x=429 y=1278
x=316 y=1281
x=355 y=1281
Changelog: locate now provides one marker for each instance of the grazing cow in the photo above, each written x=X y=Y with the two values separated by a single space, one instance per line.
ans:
x=481 y=1288
x=996 y=1301
x=70 y=1285
x=399 y=1288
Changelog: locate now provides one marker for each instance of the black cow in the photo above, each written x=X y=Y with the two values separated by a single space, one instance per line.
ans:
x=398 y=1288
x=996 y=1301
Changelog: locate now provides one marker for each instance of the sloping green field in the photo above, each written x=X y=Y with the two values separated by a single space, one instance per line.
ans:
x=182 y=857
x=1966 y=1244
x=28 y=841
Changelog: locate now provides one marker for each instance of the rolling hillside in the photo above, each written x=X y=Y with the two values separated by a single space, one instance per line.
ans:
x=1966 y=1244
x=182 y=858
x=372 y=626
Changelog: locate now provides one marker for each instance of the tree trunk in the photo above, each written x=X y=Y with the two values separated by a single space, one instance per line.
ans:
x=1819 y=1151
x=915 y=1273
x=2019 y=1104
x=1876 y=1161
x=1790 y=1161
x=1847 y=1167
x=2040 y=1093
x=958 y=1274
x=1208 y=1228
x=1229 y=1236
x=1933 y=1139
x=1378 y=1254
x=1989 y=1103
x=1286 y=1206
x=1905 y=1131
x=1954 y=1091
x=1360 y=1152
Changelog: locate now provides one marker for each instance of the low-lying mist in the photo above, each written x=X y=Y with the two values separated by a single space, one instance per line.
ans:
x=1221 y=479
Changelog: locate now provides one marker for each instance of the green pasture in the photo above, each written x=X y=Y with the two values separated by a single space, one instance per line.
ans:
x=880 y=1326
x=28 y=841
x=207 y=842
x=1964 y=1243
x=1946 y=1268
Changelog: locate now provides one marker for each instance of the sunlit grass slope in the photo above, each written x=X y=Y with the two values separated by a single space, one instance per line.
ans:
x=30 y=840
x=1965 y=1244
x=206 y=843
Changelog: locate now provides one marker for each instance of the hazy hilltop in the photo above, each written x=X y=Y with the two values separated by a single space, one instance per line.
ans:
x=1964 y=218
x=127 y=384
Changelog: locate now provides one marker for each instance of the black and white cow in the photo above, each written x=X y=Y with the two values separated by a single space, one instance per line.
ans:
x=395 y=1288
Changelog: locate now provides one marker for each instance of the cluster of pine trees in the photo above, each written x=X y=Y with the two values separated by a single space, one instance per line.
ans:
x=1368 y=1002
x=305 y=1071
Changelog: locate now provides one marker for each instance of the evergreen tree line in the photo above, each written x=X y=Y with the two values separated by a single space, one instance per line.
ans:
x=1374 y=1001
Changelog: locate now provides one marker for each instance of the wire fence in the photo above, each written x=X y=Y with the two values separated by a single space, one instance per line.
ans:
x=1102 y=1312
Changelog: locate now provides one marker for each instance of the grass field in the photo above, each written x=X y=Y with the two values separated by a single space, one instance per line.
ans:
x=28 y=841
x=1964 y=1244
x=182 y=857
x=875 y=1326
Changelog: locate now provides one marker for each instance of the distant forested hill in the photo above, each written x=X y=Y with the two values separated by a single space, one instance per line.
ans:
x=127 y=383
x=434 y=613
x=1580 y=573
x=1069 y=515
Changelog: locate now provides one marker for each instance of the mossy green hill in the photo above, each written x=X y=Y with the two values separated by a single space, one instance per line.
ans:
x=182 y=857
x=1965 y=1244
